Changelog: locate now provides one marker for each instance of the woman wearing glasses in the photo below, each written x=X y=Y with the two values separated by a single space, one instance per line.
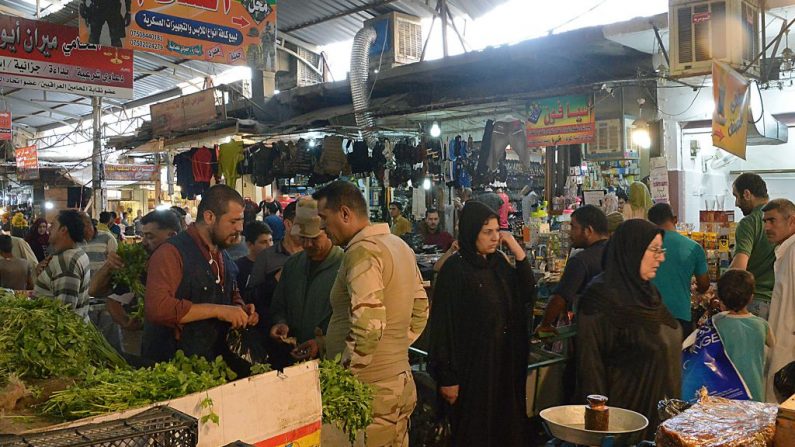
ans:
x=628 y=343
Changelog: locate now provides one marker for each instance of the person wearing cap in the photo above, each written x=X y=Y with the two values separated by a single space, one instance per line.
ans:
x=267 y=268
x=301 y=308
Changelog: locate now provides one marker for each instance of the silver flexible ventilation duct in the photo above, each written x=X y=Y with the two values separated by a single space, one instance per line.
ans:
x=360 y=66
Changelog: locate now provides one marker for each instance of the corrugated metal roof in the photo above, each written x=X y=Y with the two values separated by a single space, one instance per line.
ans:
x=292 y=14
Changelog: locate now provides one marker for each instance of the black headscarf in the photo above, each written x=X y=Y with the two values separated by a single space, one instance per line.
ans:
x=473 y=217
x=619 y=291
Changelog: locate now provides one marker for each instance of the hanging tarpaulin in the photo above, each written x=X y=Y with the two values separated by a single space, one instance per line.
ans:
x=560 y=120
x=235 y=32
x=27 y=162
x=46 y=56
x=730 y=117
x=5 y=126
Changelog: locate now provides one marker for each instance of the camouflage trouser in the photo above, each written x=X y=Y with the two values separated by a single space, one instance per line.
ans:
x=394 y=401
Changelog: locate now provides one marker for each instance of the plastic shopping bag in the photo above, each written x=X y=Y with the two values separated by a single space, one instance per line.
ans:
x=706 y=364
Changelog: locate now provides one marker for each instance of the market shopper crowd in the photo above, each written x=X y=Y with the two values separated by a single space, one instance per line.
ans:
x=334 y=285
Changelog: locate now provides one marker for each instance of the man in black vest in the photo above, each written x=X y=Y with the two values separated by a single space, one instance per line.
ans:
x=191 y=293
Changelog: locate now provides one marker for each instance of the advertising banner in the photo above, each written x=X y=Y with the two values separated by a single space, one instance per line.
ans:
x=235 y=32
x=658 y=179
x=27 y=162
x=183 y=113
x=732 y=102
x=131 y=173
x=560 y=120
x=46 y=56
x=5 y=126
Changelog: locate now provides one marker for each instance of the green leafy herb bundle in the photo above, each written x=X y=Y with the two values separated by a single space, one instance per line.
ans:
x=134 y=257
x=347 y=402
x=43 y=338
x=107 y=390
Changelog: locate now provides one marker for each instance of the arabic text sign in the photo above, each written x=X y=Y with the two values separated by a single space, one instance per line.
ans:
x=5 y=126
x=561 y=120
x=658 y=178
x=27 y=162
x=237 y=32
x=183 y=113
x=730 y=118
x=46 y=56
x=131 y=173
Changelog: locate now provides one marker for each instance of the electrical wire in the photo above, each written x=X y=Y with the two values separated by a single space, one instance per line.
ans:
x=579 y=16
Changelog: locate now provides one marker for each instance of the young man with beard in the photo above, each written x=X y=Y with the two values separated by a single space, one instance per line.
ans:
x=752 y=250
x=379 y=308
x=432 y=233
x=191 y=293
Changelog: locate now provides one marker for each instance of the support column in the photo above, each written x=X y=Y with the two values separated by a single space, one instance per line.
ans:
x=97 y=166
x=170 y=175
x=444 y=14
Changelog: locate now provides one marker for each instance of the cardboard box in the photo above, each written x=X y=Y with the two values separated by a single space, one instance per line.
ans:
x=785 y=424
x=275 y=409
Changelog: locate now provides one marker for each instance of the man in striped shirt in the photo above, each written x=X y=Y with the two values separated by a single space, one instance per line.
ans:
x=98 y=244
x=65 y=274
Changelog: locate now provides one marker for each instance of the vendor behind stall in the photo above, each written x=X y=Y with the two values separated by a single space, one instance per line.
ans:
x=400 y=225
x=191 y=294
x=589 y=233
x=432 y=233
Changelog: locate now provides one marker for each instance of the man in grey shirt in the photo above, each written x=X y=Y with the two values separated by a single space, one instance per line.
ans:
x=14 y=272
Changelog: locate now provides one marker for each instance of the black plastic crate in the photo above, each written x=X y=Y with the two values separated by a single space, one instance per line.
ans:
x=158 y=426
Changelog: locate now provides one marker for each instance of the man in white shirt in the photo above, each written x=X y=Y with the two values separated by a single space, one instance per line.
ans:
x=779 y=221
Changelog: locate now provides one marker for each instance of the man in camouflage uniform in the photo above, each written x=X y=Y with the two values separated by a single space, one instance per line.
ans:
x=379 y=308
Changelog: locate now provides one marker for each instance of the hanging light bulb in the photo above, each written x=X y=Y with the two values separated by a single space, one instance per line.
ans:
x=426 y=184
x=640 y=129
x=786 y=55
x=436 y=131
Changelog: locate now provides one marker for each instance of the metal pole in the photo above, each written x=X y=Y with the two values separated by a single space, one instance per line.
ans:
x=443 y=13
x=97 y=168
x=170 y=174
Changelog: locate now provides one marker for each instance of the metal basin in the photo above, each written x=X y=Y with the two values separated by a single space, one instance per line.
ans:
x=567 y=423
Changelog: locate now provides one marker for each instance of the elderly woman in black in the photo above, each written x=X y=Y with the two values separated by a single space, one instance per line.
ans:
x=628 y=344
x=479 y=339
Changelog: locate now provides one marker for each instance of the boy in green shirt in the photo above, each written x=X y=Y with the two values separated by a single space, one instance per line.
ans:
x=744 y=335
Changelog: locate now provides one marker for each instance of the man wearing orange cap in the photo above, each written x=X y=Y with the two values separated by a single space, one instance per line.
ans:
x=301 y=309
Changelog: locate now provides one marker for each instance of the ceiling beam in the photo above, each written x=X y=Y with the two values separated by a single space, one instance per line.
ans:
x=336 y=15
x=41 y=107
x=15 y=12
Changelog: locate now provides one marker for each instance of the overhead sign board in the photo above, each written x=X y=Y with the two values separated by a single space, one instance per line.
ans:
x=45 y=56
x=27 y=162
x=730 y=117
x=131 y=172
x=183 y=113
x=5 y=126
x=560 y=120
x=235 y=32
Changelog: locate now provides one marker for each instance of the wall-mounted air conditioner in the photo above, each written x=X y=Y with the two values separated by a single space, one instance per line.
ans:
x=724 y=30
x=399 y=40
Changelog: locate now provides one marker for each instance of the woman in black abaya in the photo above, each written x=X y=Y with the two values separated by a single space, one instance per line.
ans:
x=479 y=339
x=628 y=344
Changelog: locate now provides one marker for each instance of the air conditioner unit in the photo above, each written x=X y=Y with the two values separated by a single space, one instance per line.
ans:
x=301 y=67
x=399 y=40
x=703 y=31
x=612 y=141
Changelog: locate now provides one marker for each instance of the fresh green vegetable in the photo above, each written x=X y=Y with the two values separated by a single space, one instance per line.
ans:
x=347 y=402
x=260 y=368
x=43 y=338
x=108 y=390
x=134 y=257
